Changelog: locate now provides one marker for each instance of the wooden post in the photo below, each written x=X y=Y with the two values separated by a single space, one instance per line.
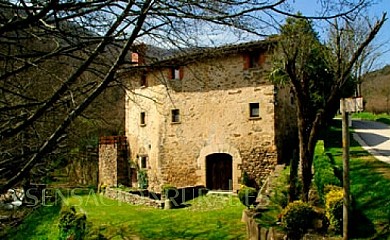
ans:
x=346 y=205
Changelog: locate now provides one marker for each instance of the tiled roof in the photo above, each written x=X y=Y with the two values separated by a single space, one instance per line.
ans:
x=199 y=53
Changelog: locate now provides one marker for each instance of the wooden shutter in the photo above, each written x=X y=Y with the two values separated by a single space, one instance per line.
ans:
x=247 y=61
x=170 y=73
x=262 y=58
x=181 y=72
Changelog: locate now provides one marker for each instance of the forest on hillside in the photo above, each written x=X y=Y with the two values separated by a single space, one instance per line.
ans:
x=376 y=90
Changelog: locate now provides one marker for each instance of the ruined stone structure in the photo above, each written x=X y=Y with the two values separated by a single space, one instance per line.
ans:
x=113 y=161
x=206 y=117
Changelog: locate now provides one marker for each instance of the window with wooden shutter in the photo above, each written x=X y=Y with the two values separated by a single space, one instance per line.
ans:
x=176 y=73
x=254 y=59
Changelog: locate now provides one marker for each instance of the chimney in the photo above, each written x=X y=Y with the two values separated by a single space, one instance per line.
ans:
x=138 y=55
x=134 y=58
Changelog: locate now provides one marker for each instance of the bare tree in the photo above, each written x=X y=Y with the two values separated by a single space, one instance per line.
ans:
x=58 y=56
x=318 y=74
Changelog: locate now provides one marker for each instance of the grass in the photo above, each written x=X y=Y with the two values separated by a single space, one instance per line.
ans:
x=370 y=187
x=383 y=117
x=40 y=224
x=206 y=217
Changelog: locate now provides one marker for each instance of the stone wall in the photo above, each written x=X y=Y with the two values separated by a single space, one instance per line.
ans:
x=113 y=161
x=256 y=231
x=259 y=164
x=213 y=98
x=131 y=198
x=84 y=168
x=285 y=124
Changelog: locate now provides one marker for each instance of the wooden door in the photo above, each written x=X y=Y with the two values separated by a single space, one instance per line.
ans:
x=219 y=171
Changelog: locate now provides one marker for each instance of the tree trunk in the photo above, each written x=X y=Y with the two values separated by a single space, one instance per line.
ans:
x=307 y=133
x=293 y=191
x=306 y=158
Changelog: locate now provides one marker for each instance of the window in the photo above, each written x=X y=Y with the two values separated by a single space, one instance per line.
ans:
x=143 y=162
x=175 y=115
x=143 y=81
x=143 y=118
x=176 y=73
x=254 y=110
x=254 y=59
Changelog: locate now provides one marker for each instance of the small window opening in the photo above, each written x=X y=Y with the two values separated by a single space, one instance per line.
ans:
x=143 y=162
x=254 y=110
x=143 y=118
x=143 y=81
x=176 y=73
x=175 y=115
x=254 y=60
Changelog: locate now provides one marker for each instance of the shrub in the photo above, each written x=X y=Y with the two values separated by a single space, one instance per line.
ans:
x=279 y=192
x=169 y=191
x=247 y=195
x=72 y=225
x=334 y=209
x=321 y=222
x=296 y=219
x=324 y=173
x=245 y=179
x=142 y=177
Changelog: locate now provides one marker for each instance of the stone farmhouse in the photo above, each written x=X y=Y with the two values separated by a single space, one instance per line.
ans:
x=206 y=117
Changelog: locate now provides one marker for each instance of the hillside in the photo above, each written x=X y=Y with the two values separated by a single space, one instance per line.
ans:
x=376 y=90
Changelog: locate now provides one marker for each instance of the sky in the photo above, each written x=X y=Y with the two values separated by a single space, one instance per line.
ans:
x=376 y=11
x=210 y=36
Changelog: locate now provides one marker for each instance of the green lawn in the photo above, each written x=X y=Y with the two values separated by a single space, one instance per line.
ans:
x=370 y=187
x=384 y=118
x=207 y=217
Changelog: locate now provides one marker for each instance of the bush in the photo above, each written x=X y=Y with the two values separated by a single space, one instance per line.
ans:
x=142 y=177
x=296 y=219
x=169 y=191
x=324 y=174
x=321 y=222
x=72 y=225
x=247 y=195
x=334 y=209
x=279 y=192
x=245 y=179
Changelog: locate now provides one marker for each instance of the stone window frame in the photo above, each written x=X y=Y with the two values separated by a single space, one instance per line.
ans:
x=142 y=119
x=252 y=108
x=175 y=116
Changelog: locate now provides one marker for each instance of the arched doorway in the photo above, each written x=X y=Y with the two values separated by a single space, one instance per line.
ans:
x=219 y=172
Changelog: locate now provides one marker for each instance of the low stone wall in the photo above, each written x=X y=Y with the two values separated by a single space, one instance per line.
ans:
x=131 y=198
x=257 y=232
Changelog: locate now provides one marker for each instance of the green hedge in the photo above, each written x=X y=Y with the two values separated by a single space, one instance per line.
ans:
x=324 y=170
